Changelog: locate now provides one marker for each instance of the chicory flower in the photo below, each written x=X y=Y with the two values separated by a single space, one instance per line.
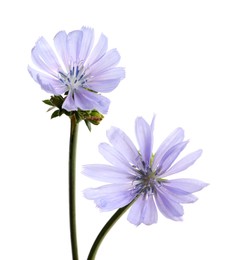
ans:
x=81 y=73
x=140 y=175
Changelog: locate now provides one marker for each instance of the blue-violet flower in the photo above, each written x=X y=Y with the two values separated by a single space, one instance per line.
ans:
x=140 y=175
x=83 y=73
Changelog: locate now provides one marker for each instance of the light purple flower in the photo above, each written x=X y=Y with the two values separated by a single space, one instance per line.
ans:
x=138 y=174
x=83 y=72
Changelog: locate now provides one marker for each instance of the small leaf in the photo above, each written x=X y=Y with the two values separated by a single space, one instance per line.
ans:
x=55 y=114
x=78 y=116
x=57 y=101
x=51 y=108
x=48 y=102
x=88 y=124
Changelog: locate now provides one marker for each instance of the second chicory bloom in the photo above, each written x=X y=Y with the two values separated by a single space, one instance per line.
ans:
x=86 y=71
x=140 y=175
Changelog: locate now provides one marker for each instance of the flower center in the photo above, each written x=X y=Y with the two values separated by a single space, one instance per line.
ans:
x=76 y=77
x=145 y=181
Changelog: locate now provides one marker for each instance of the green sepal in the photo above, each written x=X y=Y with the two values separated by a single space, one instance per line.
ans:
x=78 y=116
x=57 y=101
x=89 y=116
x=56 y=113
x=51 y=108
x=88 y=124
x=48 y=102
x=95 y=117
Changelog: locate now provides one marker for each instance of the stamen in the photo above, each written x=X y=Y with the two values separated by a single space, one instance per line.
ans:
x=145 y=180
x=75 y=78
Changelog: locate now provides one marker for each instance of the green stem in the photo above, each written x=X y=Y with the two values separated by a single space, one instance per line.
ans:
x=106 y=229
x=72 y=186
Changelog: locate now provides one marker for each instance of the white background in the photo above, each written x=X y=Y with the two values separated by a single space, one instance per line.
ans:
x=182 y=61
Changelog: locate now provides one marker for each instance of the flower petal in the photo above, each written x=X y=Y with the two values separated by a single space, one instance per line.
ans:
x=44 y=57
x=135 y=213
x=112 y=73
x=143 y=211
x=60 y=41
x=107 y=80
x=47 y=83
x=95 y=193
x=82 y=101
x=110 y=59
x=74 y=41
x=184 y=163
x=106 y=173
x=101 y=103
x=99 y=50
x=149 y=214
x=103 y=86
x=87 y=100
x=186 y=185
x=87 y=43
x=153 y=123
x=69 y=103
x=177 y=195
x=169 y=157
x=144 y=138
x=110 y=196
x=114 y=156
x=98 y=101
x=170 y=209
x=123 y=144
x=175 y=137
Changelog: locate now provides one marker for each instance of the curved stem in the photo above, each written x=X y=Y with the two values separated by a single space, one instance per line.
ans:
x=72 y=186
x=106 y=229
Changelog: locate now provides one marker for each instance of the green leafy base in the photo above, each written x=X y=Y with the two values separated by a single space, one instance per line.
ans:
x=88 y=116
